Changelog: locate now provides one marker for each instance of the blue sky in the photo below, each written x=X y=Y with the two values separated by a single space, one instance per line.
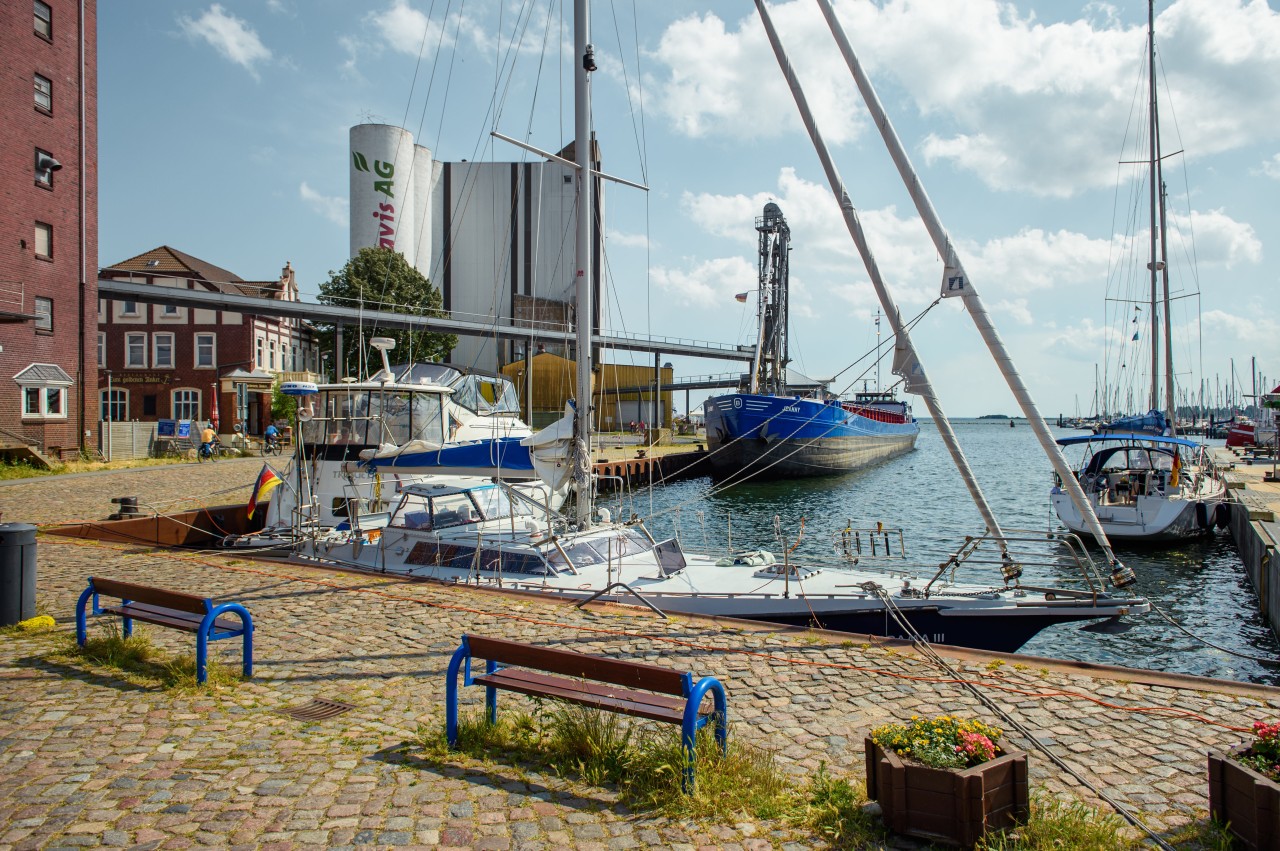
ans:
x=223 y=133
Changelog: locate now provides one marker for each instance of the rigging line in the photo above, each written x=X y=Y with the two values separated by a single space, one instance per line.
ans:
x=1206 y=642
x=626 y=78
x=644 y=140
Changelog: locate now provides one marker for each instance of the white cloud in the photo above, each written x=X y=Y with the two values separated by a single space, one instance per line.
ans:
x=1256 y=331
x=1023 y=105
x=1271 y=167
x=336 y=210
x=1083 y=342
x=1219 y=239
x=229 y=35
x=627 y=240
x=402 y=27
x=711 y=283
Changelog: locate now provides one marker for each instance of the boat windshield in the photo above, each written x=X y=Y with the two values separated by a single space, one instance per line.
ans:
x=485 y=394
x=375 y=417
x=495 y=503
x=600 y=548
x=1132 y=458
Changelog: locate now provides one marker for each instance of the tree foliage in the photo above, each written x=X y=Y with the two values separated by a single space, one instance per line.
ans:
x=381 y=279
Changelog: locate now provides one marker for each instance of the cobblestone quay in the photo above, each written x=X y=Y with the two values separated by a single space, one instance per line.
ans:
x=90 y=760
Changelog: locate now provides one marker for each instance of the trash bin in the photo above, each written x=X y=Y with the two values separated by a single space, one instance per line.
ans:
x=17 y=573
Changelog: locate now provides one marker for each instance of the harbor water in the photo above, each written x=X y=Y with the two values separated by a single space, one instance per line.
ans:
x=1200 y=585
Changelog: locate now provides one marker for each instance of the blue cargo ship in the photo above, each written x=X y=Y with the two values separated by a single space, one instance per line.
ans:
x=754 y=435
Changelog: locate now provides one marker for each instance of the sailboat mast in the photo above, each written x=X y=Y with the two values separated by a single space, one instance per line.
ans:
x=916 y=379
x=955 y=271
x=1155 y=188
x=584 y=310
x=1163 y=264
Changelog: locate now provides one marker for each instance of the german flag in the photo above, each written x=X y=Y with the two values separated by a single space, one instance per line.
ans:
x=267 y=480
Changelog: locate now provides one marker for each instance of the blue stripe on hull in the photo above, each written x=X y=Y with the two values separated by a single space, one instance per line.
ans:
x=1000 y=635
x=783 y=437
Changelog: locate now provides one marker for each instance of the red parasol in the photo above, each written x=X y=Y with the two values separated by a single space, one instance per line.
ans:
x=213 y=406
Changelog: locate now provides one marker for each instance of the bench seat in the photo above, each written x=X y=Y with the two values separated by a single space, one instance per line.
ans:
x=655 y=707
x=171 y=609
x=611 y=685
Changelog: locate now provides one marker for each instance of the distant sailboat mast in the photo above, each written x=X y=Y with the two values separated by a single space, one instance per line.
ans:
x=1159 y=264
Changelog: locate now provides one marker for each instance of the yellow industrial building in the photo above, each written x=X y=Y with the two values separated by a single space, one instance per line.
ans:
x=622 y=393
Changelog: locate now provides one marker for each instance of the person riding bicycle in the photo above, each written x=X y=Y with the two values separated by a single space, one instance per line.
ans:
x=208 y=440
x=272 y=434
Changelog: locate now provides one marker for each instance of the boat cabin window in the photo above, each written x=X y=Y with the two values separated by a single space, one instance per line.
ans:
x=372 y=418
x=453 y=510
x=598 y=549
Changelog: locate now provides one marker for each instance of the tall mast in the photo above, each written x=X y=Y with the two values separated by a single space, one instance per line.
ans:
x=905 y=362
x=585 y=309
x=957 y=282
x=1155 y=189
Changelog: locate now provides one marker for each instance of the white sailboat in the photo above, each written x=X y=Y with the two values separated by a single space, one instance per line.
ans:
x=484 y=532
x=1143 y=482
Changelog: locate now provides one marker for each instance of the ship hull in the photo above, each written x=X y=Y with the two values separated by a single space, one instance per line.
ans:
x=779 y=437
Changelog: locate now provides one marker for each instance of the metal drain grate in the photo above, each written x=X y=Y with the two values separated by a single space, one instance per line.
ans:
x=317 y=710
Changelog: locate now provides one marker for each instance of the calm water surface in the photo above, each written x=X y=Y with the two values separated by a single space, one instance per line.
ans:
x=1201 y=585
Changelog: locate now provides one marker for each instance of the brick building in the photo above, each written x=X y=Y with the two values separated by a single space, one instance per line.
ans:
x=48 y=226
x=166 y=362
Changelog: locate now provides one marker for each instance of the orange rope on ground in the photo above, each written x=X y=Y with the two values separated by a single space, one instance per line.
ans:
x=989 y=682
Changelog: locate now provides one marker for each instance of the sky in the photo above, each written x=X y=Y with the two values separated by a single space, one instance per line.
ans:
x=223 y=132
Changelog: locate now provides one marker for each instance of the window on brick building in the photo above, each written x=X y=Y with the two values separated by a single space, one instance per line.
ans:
x=271 y=349
x=44 y=314
x=128 y=308
x=259 y=361
x=102 y=350
x=162 y=351
x=44 y=93
x=45 y=165
x=44 y=20
x=44 y=391
x=135 y=351
x=114 y=405
x=44 y=240
x=186 y=404
x=206 y=351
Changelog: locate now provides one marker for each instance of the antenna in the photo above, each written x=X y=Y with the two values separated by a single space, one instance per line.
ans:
x=384 y=345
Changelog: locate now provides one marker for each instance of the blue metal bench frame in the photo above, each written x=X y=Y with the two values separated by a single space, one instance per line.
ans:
x=208 y=629
x=692 y=693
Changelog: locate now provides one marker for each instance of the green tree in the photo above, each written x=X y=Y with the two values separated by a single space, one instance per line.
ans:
x=282 y=406
x=381 y=279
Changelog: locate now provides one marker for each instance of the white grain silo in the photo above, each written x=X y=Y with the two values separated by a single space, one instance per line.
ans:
x=382 y=184
x=423 y=168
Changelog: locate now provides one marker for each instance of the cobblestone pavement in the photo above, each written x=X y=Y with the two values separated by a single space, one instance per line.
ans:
x=89 y=759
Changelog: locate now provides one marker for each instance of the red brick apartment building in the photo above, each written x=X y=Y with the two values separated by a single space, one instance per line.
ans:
x=161 y=361
x=48 y=226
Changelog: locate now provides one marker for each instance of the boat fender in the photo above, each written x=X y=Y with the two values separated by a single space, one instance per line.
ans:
x=1222 y=515
x=1202 y=516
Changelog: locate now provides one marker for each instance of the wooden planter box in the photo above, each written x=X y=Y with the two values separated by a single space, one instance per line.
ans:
x=949 y=805
x=1246 y=801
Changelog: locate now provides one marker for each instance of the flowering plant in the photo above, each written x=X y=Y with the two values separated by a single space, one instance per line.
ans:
x=1263 y=755
x=943 y=742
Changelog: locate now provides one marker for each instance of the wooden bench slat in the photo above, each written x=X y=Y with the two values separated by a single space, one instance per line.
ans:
x=155 y=596
x=168 y=617
x=569 y=663
x=661 y=701
x=568 y=690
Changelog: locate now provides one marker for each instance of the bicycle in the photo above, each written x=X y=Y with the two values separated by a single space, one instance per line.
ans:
x=271 y=446
x=208 y=452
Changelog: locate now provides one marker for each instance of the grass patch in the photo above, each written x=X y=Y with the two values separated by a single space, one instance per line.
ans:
x=141 y=662
x=1057 y=825
x=12 y=469
x=644 y=763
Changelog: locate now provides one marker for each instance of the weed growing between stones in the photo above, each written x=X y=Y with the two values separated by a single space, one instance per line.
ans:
x=141 y=662
x=1205 y=834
